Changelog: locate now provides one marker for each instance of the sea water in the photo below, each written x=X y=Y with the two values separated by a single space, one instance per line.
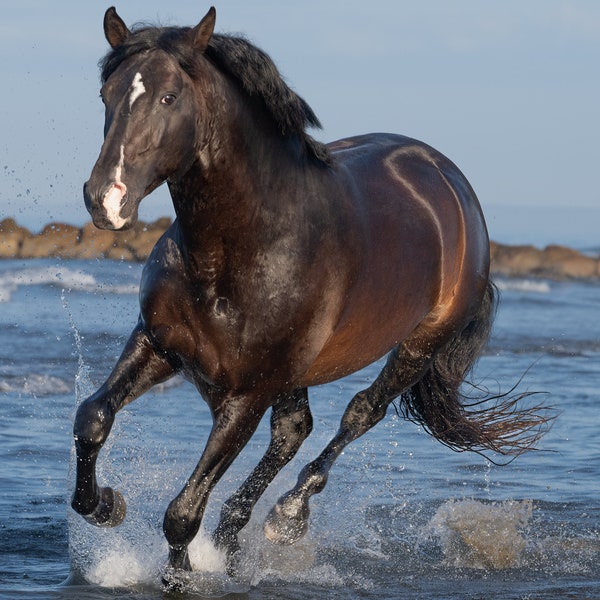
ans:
x=401 y=517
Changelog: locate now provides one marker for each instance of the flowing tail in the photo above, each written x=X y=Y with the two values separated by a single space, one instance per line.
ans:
x=497 y=423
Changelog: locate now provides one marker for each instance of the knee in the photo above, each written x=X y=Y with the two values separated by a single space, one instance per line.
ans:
x=236 y=511
x=180 y=524
x=92 y=424
x=306 y=425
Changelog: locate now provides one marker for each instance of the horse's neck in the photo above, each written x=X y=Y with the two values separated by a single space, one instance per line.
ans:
x=237 y=178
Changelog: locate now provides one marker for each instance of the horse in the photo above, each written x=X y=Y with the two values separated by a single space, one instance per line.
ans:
x=290 y=263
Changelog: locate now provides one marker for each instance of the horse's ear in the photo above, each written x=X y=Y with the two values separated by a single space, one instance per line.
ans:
x=115 y=30
x=204 y=30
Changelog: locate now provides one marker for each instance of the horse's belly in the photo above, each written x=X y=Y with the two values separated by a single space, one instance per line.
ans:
x=361 y=340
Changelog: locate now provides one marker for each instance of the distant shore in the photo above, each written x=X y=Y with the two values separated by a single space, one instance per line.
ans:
x=61 y=240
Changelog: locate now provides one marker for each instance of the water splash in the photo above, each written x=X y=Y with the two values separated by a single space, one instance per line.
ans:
x=83 y=383
x=134 y=555
x=481 y=535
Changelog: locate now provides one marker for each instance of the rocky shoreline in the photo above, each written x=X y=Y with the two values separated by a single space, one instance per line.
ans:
x=61 y=240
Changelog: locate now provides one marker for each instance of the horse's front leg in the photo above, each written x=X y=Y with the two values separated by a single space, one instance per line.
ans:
x=235 y=420
x=138 y=369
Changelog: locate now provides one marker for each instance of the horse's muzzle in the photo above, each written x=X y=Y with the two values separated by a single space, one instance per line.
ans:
x=106 y=206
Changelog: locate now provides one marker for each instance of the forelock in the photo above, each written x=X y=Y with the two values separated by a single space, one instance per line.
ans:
x=173 y=40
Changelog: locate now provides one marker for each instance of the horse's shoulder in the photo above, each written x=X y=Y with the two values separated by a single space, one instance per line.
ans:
x=164 y=265
x=166 y=253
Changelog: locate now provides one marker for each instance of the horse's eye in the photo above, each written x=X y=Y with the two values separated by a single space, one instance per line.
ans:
x=168 y=99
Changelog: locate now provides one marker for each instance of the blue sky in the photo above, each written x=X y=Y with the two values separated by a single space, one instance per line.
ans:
x=509 y=90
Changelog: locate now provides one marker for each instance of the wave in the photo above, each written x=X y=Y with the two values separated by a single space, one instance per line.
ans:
x=540 y=345
x=35 y=385
x=533 y=286
x=63 y=278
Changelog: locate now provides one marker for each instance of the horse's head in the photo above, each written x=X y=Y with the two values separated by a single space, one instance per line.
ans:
x=150 y=131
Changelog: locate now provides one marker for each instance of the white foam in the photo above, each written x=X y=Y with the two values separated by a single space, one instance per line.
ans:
x=35 y=384
x=533 y=286
x=41 y=385
x=122 y=567
x=65 y=278
x=204 y=556
x=135 y=554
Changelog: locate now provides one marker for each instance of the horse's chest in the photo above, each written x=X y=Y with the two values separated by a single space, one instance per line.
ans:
x=204 y=335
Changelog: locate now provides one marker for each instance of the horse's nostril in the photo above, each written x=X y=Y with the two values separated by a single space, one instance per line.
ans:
x=86 y=196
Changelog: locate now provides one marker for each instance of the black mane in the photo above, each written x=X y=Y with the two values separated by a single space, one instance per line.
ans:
x=249 y=66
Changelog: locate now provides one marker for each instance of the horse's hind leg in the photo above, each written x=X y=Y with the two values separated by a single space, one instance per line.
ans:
x=288 y=520
x=291 y=423
x=139 y=368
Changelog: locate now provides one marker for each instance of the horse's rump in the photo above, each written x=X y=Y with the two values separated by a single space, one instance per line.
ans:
x=423 y=257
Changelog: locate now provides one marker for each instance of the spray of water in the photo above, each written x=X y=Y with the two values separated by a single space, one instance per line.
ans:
x=484 y=535
x=83 y=383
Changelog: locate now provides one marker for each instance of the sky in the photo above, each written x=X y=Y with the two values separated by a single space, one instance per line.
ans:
x=509 y=90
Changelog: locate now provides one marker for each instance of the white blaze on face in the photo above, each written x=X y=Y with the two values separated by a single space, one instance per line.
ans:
x=114 y=196
x=137 y=89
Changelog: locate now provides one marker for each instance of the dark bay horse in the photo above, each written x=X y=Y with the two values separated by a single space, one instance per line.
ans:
x=290 y=264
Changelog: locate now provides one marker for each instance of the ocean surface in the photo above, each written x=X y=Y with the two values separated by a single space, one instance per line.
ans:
x=402 y=516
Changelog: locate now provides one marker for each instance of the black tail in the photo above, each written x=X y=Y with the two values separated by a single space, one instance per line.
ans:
x=436 y=402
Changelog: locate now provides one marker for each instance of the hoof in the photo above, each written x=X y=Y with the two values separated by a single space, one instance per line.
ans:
x=110 y=511
x=285 y=529
x=176 y=580
x=179 y=559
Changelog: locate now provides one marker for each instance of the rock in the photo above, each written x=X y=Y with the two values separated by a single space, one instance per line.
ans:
x=56 y=239
x=559 y=262
x=66 y=241
x=11 y=238
x=514 y=261
x=94 y=242
x=553 y=262
x=140 y=239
